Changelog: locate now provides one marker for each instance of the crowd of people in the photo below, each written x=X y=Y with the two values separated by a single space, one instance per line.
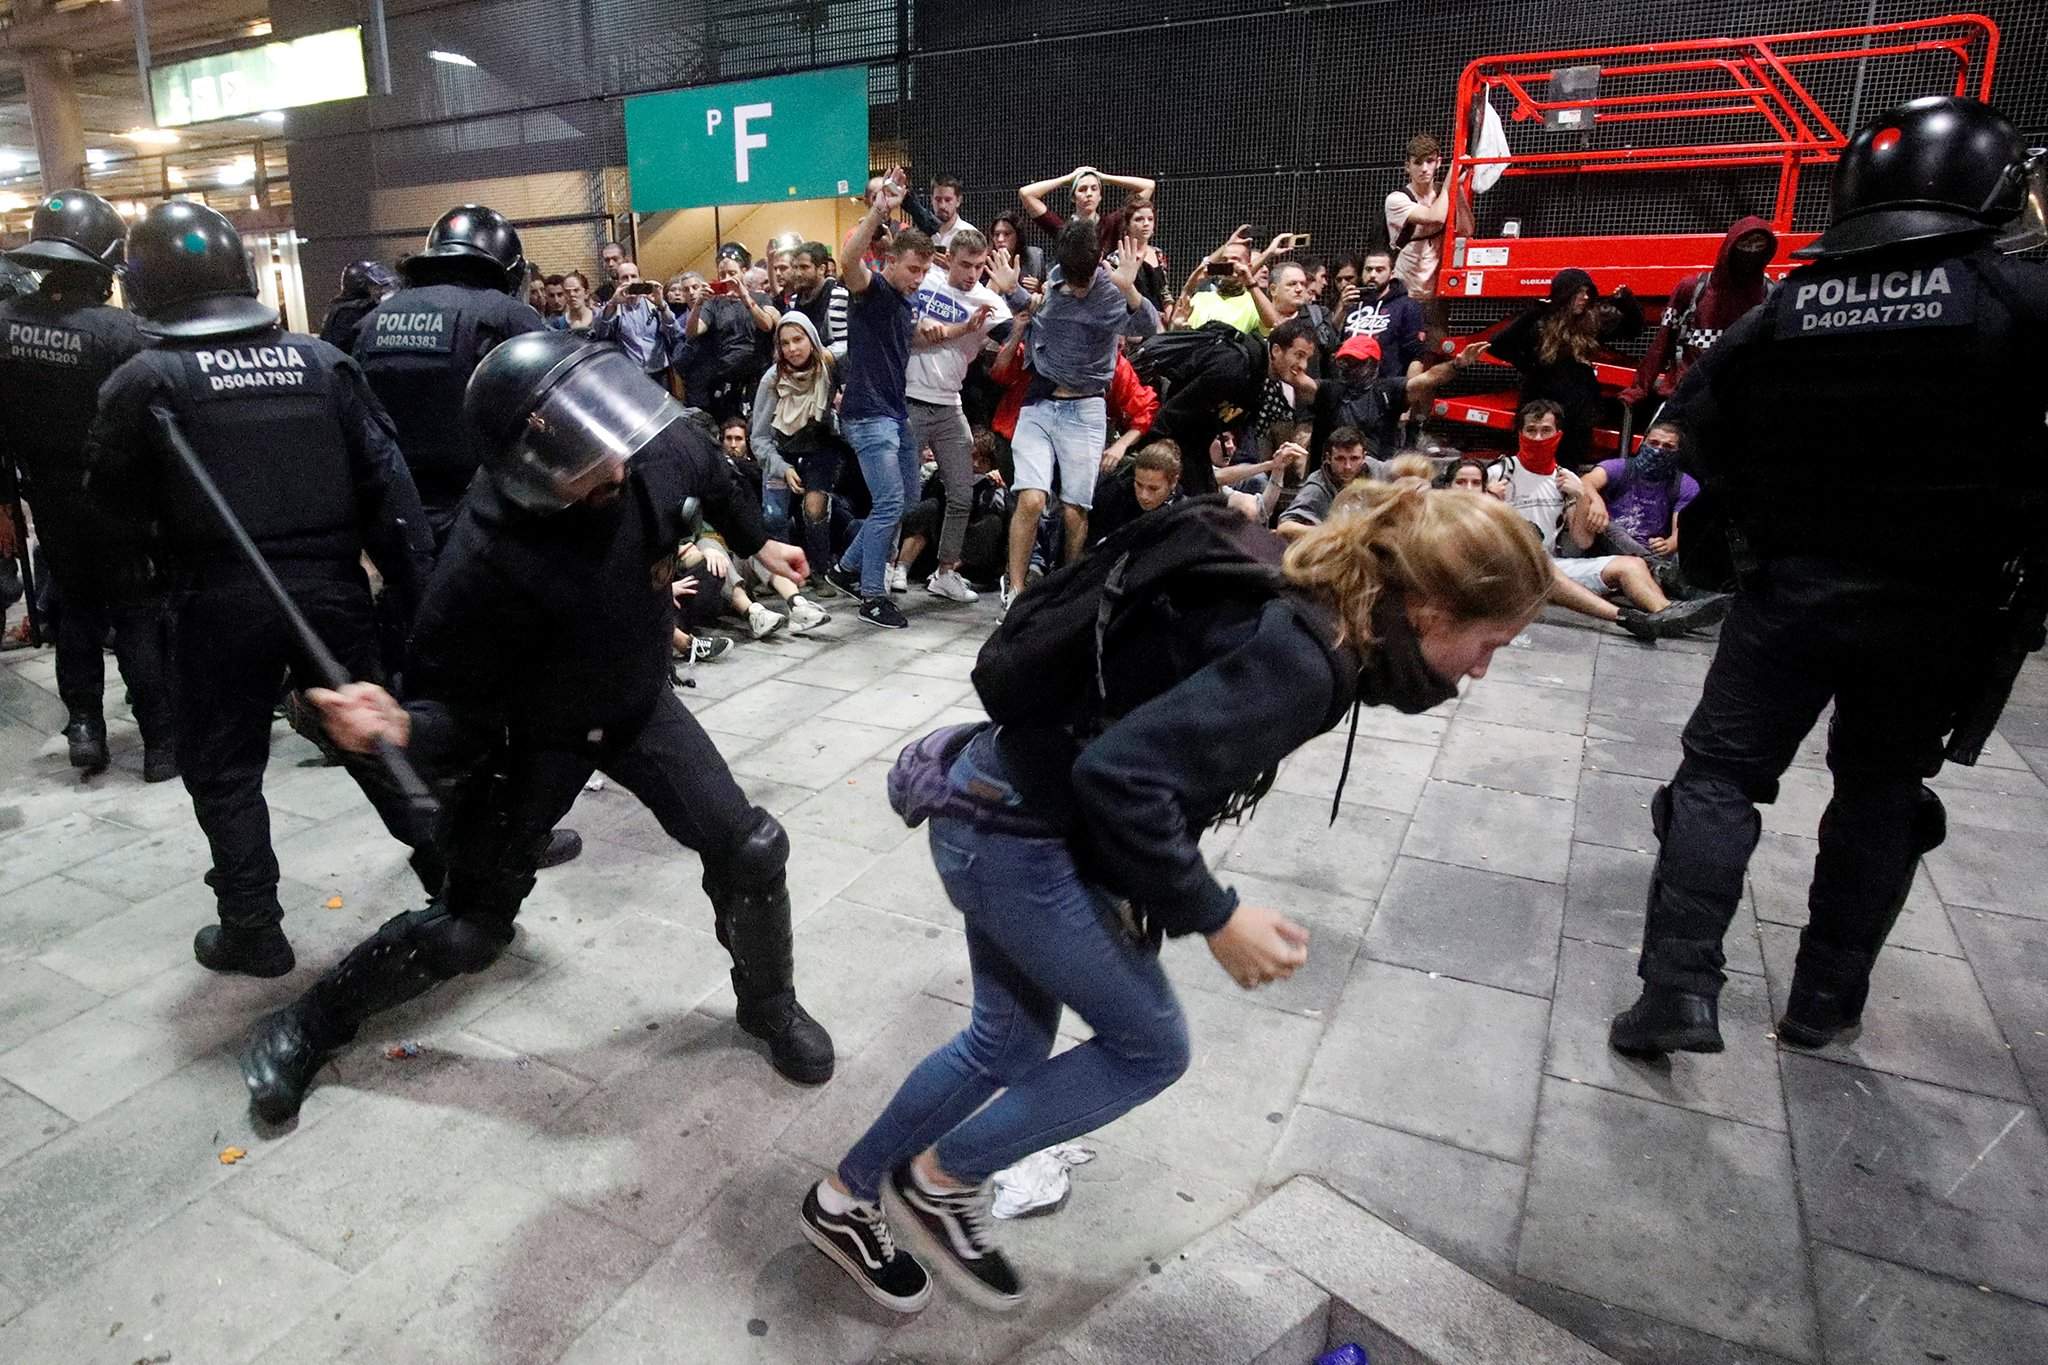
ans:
x=928 y=402
x=1207 y=516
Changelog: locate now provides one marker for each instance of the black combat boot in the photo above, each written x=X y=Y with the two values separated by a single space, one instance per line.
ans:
x=559 y=847
x=159 y=761
x=1666 y=1020
x=279 y=1062
x=252 y=952
x=1829 y=986
x=86 y=738
x=753 y=924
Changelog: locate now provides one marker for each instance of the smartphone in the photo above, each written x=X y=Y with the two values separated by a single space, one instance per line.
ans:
x=1222 y=269
x=642 y=287
x=1302 y=239
x=724 y=287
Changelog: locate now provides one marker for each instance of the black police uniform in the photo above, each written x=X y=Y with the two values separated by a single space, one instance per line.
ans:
x=56 y=347
x=541 y=655
x=288 y=429
x=419 y=348
x=1877 y=427
x=363 y=284
x=344 y=319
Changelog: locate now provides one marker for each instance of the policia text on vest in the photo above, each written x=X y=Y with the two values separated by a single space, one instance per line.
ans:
x=228 y=370
x=1883 y=298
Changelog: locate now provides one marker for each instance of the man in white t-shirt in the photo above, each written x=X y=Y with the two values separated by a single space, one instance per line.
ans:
x=1532 y=482
x=955 y=313
x=1416 y=214
x=946 y=192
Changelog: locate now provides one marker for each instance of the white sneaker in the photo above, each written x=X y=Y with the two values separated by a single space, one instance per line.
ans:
x=899 y=578
x=762 y=621
x=804 y=613
x=949 y=584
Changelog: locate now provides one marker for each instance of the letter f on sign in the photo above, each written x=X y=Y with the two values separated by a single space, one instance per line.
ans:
x=744 y=141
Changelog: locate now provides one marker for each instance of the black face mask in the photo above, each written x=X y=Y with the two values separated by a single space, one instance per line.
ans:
x=1395 y=673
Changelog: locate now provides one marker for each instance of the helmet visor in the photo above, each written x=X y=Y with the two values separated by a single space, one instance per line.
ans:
x=596 y=417
x=2029 y=227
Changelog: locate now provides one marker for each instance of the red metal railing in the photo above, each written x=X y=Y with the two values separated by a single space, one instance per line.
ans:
x=1671 y=98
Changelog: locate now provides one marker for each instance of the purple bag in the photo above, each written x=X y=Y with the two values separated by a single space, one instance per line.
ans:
x=920 y=783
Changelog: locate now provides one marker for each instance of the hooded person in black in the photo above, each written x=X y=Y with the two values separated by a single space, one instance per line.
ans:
x=1554 y=345
x=1702 y=307
x=541 y=655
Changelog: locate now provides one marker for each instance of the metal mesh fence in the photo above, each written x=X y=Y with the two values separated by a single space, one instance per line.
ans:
x=1284 y=115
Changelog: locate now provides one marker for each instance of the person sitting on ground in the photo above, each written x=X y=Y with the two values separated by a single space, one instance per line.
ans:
x=1468 y=475
x=795 y=434
x=1535 y=485
x=1554 y=345
x=1344 y=459
x=1632 y=506
x=1143 y=483
x=986 y=542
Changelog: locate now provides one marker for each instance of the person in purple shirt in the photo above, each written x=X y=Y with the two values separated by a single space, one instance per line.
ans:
x=1633 y=504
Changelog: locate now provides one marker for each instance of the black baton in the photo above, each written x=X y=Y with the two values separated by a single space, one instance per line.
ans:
x=37 y=635
x=332 y=676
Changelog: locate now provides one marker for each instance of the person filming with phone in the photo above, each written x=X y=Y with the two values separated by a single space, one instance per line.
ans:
x=639 y=319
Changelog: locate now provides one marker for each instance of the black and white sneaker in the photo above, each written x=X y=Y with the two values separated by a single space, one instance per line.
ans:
x=951 y=1227
x=862 y=1245
x=880 y=611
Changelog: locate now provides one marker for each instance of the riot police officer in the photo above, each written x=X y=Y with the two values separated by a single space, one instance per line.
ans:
x=288 y=429
x=364 y=285
x=420 y=345
x=56 y=347
x=1875 y=429
x=540 y=655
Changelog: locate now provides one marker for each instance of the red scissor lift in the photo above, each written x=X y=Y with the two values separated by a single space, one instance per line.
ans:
x=1704 y=106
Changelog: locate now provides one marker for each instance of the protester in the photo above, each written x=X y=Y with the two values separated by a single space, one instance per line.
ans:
x=1554 y=343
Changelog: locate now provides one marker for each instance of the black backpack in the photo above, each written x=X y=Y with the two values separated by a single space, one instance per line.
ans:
x=1168 y=360
x=1048 y=663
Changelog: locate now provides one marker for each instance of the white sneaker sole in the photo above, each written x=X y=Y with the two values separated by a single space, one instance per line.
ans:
x=908 y=1226
x=857 y=1275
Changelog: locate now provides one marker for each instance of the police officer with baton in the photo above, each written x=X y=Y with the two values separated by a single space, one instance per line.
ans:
x=286 y=428
x=541 y=655
x=1890 y=563
x=57 y=346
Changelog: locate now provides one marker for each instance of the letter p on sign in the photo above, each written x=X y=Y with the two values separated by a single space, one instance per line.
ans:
x=744 y=141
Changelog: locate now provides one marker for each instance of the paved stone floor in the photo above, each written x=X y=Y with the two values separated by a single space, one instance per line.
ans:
x=587 y=1163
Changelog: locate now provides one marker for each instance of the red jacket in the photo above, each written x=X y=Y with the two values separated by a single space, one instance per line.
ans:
x=1132 y=402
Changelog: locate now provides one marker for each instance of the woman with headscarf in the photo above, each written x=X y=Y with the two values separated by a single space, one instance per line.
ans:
x=1554 y=345
x=795 y=433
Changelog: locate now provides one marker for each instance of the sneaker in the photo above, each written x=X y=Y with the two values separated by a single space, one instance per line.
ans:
x=762 y=621
x=951 y=1228
x=861 y=1243
x=880 y=611
x=818 y=585
x=948 y=583
x=844 y=579
x=706 y=648
x=899 y=578
x=804 y=614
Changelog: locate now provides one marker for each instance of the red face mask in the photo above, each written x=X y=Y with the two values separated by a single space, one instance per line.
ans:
x=1539 y=457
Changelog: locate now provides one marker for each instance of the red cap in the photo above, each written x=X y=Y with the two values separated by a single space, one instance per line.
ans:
x=1359 y=348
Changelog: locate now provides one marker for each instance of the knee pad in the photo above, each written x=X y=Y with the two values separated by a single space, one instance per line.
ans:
x=1708 y=831
x=761 y=856
x=457 y=945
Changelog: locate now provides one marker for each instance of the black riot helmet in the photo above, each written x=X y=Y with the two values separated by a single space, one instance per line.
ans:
x=73 y=227
x=366 y=279
x=474 y=242
x=549 y=414
x=189 y=276
x=1937 y=167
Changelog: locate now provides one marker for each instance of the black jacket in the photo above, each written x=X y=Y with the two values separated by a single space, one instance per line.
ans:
x=292 y=435
x=1233 y=689
x=419 y=348
x=1570 y=383
x=54 y=355
x=551 y=627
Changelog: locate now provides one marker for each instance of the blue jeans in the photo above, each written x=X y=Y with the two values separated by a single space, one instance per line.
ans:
x=775 y=516
x=1038 y=937
x=888 y=461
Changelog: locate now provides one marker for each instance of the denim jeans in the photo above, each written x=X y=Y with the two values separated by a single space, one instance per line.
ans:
x=888 y=461
x=775 y=516
x=1038 y=938
x=1064 y=435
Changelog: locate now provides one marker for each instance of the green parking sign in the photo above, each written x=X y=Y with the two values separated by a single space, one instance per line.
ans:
x=750 y=142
